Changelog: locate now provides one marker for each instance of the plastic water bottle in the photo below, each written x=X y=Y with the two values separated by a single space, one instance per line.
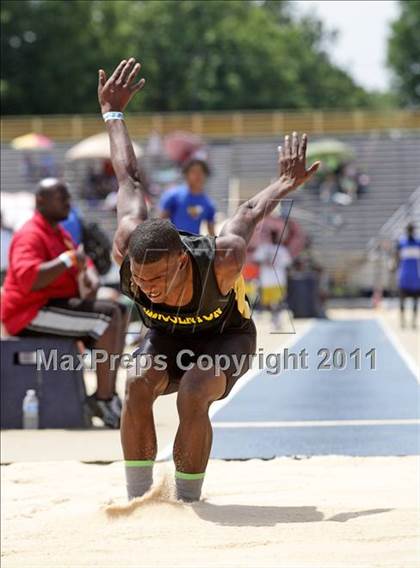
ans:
x=30 y=409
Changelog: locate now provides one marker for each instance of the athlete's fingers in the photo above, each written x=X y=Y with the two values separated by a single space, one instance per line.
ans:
x=282 y=155
x=295 y=145
x=125 y=71
x=312 y=170
x=118 y=70
x=138 y=86
x=133 y=74
x=302 y=147
x=101 y=78
x=287 y=147
x=280 y=159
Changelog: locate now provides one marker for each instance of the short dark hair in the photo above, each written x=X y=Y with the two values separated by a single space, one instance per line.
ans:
x=152 y=239
x=196 y=162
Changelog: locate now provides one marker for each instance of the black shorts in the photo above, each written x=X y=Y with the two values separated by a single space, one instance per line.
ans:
x=409 y=293
x=86 y=320
x=232 y=349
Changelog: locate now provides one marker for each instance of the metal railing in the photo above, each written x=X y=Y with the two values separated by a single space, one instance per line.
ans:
x=217 y=125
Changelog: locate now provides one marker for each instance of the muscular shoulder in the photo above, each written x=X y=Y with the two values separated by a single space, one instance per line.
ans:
x=230 y=255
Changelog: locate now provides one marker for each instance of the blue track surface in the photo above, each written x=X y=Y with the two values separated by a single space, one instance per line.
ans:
x=390 y=392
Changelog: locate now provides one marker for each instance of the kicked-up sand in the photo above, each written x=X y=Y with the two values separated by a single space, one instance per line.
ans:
x=324 y=512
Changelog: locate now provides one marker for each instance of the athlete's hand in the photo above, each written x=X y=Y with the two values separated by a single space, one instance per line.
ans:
x=115 y=93
x=292 y=161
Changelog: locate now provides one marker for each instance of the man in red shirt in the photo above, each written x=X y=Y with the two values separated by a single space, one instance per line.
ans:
x=42 y=293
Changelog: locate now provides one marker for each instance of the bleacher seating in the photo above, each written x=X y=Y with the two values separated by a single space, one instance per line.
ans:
x=390 y=159
x=392 y=163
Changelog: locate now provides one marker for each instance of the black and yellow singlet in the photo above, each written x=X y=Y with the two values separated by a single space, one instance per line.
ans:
x=208 y=311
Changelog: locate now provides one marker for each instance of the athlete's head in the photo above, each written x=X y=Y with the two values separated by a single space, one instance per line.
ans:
x=157 y=258
x=53 y=200
x=410 y=229
x=196 y=171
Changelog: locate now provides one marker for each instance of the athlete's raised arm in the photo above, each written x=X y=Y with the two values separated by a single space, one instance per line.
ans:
x=114 y=94
x=236 y=233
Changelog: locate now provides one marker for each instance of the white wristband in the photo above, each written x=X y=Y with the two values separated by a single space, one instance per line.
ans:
x=113 y=115
x=66 y=259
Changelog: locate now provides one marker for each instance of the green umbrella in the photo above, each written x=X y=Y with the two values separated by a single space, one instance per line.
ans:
x=331 y=152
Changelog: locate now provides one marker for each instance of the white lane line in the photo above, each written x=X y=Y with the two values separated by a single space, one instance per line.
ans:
x=412 y=365
x=166 y=452
x=312 y=423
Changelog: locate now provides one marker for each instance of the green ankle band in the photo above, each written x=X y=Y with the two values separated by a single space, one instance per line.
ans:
x=139 y=463
x=182 y=475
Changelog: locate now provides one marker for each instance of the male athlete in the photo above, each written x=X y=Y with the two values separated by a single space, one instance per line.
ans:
x=189 y=292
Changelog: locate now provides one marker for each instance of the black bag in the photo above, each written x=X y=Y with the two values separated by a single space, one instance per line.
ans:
x=98 y=246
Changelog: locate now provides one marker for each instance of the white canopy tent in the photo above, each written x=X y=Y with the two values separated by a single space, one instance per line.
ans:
x=95 y=147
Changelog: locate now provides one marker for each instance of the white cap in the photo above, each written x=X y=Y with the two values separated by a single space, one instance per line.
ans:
x=30 y=392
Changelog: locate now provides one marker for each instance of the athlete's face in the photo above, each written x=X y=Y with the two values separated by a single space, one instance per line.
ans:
x=158 y=279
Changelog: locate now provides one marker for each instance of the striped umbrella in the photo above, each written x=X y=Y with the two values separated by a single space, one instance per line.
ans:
x=32 y=141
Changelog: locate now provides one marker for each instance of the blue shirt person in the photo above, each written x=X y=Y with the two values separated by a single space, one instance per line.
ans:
x=409 y=261
x=187 y=205
x=408 y=252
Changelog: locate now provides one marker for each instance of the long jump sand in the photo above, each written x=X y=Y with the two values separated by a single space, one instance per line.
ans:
x=320 y=512
x=323 y=512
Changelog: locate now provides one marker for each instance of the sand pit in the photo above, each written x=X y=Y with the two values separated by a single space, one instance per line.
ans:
x=323 y=511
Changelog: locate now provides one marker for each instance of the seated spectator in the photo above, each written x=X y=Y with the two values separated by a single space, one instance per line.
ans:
x=29 y=168
x=187 y=205
x=363 y=181
x=90 y=191
x=50 y=289
x=48 y=167
x=341 y=185
x=328 y=187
